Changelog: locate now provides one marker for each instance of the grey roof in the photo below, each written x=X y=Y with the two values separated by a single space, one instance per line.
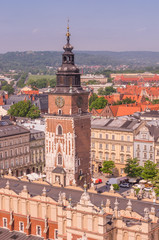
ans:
x=16 y=98
x=35 y=189
x=36 y=134
x=58 y=170
x=41 y=102
x=9 y=129
x=6 y=107
x=5 y=234
x=115 y=124
x=150 y=114
x=154 y=131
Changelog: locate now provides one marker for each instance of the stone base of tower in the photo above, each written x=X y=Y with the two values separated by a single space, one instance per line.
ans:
x=60 y=178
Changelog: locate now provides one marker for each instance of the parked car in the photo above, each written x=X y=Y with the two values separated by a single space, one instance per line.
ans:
x=148 y=189
x=96 y=180
x=125 y=185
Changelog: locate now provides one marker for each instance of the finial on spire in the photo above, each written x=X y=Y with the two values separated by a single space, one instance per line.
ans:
x=68 y=32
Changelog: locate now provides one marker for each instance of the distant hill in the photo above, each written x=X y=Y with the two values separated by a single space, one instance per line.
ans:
x=27 y=61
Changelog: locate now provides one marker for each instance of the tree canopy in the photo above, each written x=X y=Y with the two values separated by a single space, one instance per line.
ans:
x=99 y=103
x=42 y=82
x=8 y=88
x=149 y=170
x=106 y=91
x=24 y=109
x=132 y=168
x=124 y=101
x=92 y=98
x=108 y=167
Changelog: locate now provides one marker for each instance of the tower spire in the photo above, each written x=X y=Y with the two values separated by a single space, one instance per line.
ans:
x=68 y=32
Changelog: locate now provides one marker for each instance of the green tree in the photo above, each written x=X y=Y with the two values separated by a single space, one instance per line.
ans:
x=132 y=168
x=149 y=170
x=99 y=103
x=106 y=91
x=92 y=98
x=108 y=167
x=24 y=109
x=101 y=91
x=155 y=182
x=8 y=88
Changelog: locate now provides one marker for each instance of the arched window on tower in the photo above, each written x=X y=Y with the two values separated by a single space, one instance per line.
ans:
x=59 y=159
x=59 y=130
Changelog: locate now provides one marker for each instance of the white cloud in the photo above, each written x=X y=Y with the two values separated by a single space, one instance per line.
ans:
x=35 y=30
x=143 y=29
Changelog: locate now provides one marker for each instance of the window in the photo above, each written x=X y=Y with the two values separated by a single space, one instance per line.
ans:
x=56 y=234
x=6 y=164
x=93 y=134
x=100 y=135
x=122 y=158
x=100 y=156
x=113 y=137
x=138 y=147
x=144 y=136
x=107 y=146
x=128 y=138
x=122 y=148
x=21 y=226
x=128 y=148
x=93 y=155
x=38 y=230
x=1 y=155
x=151 y=148
x=12 y=163
x=157 y=152
x=144 y=147
x=5 y=222
x=106 y=156
x=122 y=170
x=93 y=145
x=17 y=161
x=151 y=156
x=145 y=156
x=122 y=138
x=113 y=147
x=80 y=172
x=59 y=111
x=1 y=165
x=78 y=162
x=113 y=157
x=100 y=146
x=59 y=130
x=59 y=162
x=138 y=155
x=21 y=161
x=5 y=154
x=106 y=136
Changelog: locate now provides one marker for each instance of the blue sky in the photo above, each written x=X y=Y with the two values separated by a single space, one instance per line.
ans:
x=113 y=25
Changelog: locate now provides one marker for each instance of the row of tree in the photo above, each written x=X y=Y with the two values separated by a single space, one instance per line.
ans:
x=148 y=172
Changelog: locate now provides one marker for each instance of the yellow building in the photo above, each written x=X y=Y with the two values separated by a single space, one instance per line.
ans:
x=112 y=139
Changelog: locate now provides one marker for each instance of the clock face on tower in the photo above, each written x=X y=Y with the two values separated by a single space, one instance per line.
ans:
x=79 y=101
x=59 y=101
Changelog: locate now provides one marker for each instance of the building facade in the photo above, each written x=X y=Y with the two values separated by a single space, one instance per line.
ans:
x=68 y=126
x=37 y=150
x=112 y=139
x=56 y=216
x=14 y=148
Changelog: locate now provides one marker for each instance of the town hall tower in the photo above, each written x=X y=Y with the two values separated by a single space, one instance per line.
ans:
x=68 y=126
